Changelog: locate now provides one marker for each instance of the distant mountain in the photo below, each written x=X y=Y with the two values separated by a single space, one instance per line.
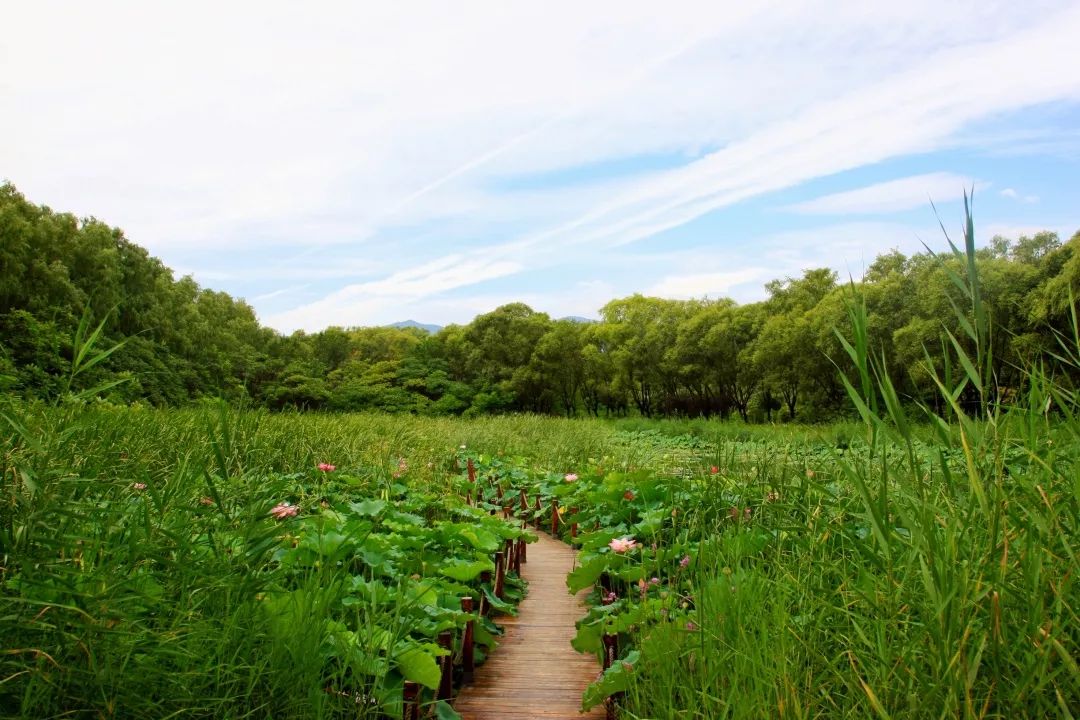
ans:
x=413 y=324
x=578 y=319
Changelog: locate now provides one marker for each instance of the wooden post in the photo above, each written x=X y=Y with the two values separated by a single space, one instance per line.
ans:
x=519 y=555
x=611 y=652
x=411 y=693
x=555 y=518
x=523 y=544
x=573 y=526
x=472 y=472
x=500 y=576
x=538 y=509
x=524 y=502
x=446 y=683
x=499 y=491
x=607 y=588
x=468 y=662
x=508 y=549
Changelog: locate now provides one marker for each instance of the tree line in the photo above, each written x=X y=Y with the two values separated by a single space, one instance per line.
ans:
x=777 y=359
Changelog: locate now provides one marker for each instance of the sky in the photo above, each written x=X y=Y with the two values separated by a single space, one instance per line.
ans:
x=362 y=163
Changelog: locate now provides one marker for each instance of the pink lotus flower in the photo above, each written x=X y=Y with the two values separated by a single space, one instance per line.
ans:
x=714 y=470
x=284 y=510
x=206 y=501
x=570 y=477
x=138 y=486
x=327 y=467
x=622 y=545
x=610 y=597
x=628 y=495
x=685 y=562
x=654 y=581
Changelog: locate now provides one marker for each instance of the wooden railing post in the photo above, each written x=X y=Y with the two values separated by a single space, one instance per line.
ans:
x=555 y=518
x=573 y=525
x=446 y=683
x=472 y=472
x=500 y=574
x=524 y=502
x=411 y=693
x=611 y=652
x=468 y=662
x=522 y=545
x=508 y=550
x=538 y=509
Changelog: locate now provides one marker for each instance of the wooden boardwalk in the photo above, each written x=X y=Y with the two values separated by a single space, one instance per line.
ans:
x=534 y=673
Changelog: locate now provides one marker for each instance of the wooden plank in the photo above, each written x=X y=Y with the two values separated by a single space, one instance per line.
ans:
x=534 y=672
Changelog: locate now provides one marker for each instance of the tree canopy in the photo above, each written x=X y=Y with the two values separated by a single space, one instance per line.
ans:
x=776 y=359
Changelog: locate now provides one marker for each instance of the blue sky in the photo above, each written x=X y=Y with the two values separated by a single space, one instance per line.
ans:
x=360 y=163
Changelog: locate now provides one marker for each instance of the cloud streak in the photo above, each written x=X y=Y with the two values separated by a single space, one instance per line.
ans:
x=417 y=155
x=892 y=196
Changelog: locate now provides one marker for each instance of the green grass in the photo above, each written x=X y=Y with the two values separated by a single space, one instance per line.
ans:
x=900 y=567
x=138 y=556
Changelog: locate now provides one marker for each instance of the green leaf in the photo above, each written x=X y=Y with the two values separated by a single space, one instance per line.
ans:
x=445 y=712
x=483 y=636
x=586 y=574
x=480 y=539
x=496 y=603
x=368 y=508
x=587 y=639
x=615 y=679
x=463 y=571
x=419 y=666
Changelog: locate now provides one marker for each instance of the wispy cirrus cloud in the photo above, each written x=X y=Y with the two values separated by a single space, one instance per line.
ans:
x=711 y=284
x=399 y=291
x=1011 y=194
x=892 y=196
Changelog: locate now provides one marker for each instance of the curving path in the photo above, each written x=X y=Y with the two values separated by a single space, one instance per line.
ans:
x=534 y=673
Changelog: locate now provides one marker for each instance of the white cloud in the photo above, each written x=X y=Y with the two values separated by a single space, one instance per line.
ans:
x=357 y=303
x=712 y=284
x=892 y=196
x=279 y=293
x=1015 y=231
x=914 y=111
x=1011 y=194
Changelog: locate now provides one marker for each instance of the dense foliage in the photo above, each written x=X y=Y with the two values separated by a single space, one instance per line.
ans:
x=647 y=356
x=219 y=563
x=920 y=570
x=204 y=563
